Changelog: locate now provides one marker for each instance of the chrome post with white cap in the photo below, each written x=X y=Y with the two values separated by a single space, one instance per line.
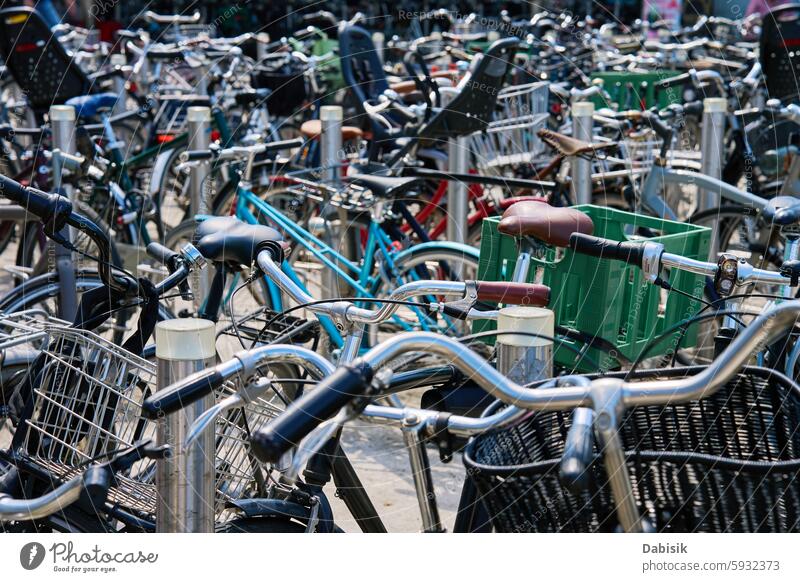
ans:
x=379 y=40
x=713 y=146
x=330 y=147
x=525 y=356
x=62 y=122
x=119 y=60
x=457 y=202
x=712 y=141
x=581 y=169
x=185 y=479
x=199 y=126
x=262 y=38
x=331 y=117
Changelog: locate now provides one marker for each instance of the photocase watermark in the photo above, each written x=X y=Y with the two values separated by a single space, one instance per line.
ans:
x=64 y=557
x=32 y=555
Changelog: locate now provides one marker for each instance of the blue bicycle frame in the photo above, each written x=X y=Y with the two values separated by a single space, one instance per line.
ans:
x=359 y=277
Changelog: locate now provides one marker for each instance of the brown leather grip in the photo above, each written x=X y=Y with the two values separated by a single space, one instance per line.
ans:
x=513 y=293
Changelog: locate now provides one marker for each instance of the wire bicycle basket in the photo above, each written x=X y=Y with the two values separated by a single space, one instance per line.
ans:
x=507 y=145
x=85 y=402
x=727 y=463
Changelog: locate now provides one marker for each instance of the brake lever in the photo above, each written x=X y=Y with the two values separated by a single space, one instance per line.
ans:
x=243 y=397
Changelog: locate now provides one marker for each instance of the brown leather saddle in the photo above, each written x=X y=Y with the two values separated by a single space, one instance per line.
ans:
x=569 y=146
x=313 y=128
x=546 y=223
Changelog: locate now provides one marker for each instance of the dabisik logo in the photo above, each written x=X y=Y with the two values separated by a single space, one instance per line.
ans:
x=31 y=555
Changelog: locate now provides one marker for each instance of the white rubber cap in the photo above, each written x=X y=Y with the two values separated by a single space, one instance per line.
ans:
x=185 y=339
x=583 y=109
x=118 y=59
x=198 y=113
x=331 y=113
x=715 y=105
x=527 y=319
x=62 y=113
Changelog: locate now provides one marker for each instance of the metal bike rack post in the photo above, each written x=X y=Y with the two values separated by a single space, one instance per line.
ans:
x=331 y=117
x=457 y=202
x=330 y=148
x=378 y=39
x=119 y=60
x=262 y=38
x=582 y=112
x=712 y=142
x=713 y=147
x=524 y=358
x=199 y=126
x=62 y=122
x=185 y=479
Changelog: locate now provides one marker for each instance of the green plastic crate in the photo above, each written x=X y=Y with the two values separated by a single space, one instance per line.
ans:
x=616 y=85
x=605 y=298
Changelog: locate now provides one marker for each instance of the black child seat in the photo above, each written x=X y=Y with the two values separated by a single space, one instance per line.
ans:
x=362 y=69
x=37 y=61
x=780 y=52
x=473 y=108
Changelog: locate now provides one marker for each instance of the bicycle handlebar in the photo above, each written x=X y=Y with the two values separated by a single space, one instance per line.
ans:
x=651 y=258
x=301 y=419
x=241 y=151
x=243 y=364
x=95 y=483
x=346 y=384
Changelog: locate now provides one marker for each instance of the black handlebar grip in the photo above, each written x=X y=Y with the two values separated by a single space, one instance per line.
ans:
x=286 y=144
x=162 y=254
x=348 y=382
x=574 y=472
x=663 y=130
x=181 y=394
x=196 y=155
x=602 y=248
x=51 y=208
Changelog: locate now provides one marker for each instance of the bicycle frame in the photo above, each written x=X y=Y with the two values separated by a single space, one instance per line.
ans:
x=660 y=176
x=359 y=277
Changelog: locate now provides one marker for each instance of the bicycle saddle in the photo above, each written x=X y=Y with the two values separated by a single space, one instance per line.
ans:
x=227 y=239
x=546 y=223
x=312 y=129
x=782 y=210
x=88 y=105
x=385 y=186
x=569 y=146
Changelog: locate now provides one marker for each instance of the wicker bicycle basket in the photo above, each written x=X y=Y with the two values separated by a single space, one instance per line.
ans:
x=727 y=463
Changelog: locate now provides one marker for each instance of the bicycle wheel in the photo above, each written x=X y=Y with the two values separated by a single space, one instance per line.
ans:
x=42 y=292
x=737 y=231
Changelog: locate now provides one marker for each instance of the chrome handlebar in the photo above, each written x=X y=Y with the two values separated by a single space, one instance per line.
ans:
x=40 y=507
